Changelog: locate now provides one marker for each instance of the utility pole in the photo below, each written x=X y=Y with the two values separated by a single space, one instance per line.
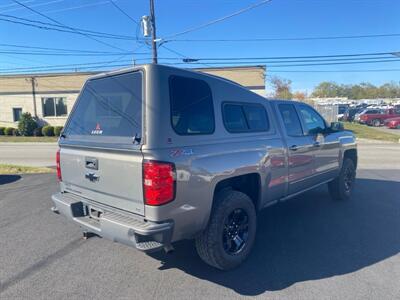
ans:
x=153 y=32
x=33 y=82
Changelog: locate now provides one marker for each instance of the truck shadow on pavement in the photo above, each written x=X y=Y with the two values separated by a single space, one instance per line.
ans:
x=5 y=179
x=308 y=238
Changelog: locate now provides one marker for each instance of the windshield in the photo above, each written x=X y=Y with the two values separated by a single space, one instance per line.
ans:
x=108 y=107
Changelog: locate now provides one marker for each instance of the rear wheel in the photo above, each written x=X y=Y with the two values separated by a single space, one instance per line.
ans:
x=376 y=123
x=342 y=186
x=230 y=234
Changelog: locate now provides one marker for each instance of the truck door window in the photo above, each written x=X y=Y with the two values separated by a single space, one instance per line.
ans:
x=313 y=121
x=290 y=119
x=192 y=110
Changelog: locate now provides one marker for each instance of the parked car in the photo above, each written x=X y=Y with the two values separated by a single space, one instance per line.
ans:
x=152 y=155
x=350 y=114
x=377 y=118
x=393 y=123
x=341 y=111
x=357 y=117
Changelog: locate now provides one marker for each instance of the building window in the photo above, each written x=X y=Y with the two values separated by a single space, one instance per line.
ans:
x=54 y=107
x=17 y=112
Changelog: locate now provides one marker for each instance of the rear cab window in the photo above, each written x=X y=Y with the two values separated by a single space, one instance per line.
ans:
x=109 y=110
x=192 y=108
x=245 y=117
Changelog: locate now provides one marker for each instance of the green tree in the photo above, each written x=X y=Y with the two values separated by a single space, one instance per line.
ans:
x=26 y=124
x=327 y=89
x=363 y=90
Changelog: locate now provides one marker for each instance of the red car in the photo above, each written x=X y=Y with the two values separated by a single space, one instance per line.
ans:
x=378 y=119
x=393 y=123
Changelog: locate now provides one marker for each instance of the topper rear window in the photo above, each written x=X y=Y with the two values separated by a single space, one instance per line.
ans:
x=108 y=107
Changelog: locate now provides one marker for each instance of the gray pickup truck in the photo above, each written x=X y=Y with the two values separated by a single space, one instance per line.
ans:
x=153 y=154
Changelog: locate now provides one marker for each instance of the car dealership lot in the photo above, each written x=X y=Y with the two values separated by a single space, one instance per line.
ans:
x=309 y=247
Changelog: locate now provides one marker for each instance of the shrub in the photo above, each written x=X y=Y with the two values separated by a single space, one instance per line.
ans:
x=37 y=131
x=57 y=130
x=16 y=132
x=26 y=125
x=2 y=129
x=48 y=130
x=9 y=131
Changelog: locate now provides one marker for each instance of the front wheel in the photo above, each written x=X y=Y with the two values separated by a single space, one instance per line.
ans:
x=230 y=233
x=342 y=186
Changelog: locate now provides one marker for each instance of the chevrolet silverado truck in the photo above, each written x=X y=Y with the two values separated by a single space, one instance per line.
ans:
x=152 y=155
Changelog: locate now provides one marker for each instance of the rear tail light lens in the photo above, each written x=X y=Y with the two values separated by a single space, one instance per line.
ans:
x=158 y=182
x=58 y=165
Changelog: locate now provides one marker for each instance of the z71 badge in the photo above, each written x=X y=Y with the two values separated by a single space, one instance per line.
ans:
x=180 y=152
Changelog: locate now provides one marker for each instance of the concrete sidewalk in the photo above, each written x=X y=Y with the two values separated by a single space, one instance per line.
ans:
x=28 y=154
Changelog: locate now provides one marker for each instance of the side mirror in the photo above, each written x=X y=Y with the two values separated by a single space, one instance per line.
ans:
x=337 y=126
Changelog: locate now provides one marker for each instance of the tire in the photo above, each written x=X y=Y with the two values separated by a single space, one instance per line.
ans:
x=376 y=123
x=214 y=245
x=342 y=187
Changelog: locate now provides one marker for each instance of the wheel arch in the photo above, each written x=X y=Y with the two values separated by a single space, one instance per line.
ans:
x=249 y=184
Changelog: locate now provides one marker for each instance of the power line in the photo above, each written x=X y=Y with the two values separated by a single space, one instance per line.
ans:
x=335 y=71
x=283 y=63
x=59 y=23
x=34 y=23
x=393 y=53
x=63 y=65
x=47 y=53
x=123 y=12
x=65 y=30
x=56 y=49
x=179 y=54
x=298 y=65
x=33 y=5
x=219 y=19
x=76 y=7
x=13 y=4
x=289 y=39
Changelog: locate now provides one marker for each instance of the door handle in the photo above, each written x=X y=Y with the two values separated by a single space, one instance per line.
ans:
x=293 y=148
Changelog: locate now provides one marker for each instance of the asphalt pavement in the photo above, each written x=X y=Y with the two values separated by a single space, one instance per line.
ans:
x=310 y=247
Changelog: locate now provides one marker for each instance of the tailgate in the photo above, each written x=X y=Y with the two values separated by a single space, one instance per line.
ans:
x=100 y=155
x=110 y=178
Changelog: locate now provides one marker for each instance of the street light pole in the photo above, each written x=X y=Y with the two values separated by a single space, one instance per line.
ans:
x=154 y=36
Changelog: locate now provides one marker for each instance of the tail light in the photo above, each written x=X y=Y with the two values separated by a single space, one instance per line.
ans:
x=158 y=182
x=58 y=165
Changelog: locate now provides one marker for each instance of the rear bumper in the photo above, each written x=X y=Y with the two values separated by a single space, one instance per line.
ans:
x=119 y=227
